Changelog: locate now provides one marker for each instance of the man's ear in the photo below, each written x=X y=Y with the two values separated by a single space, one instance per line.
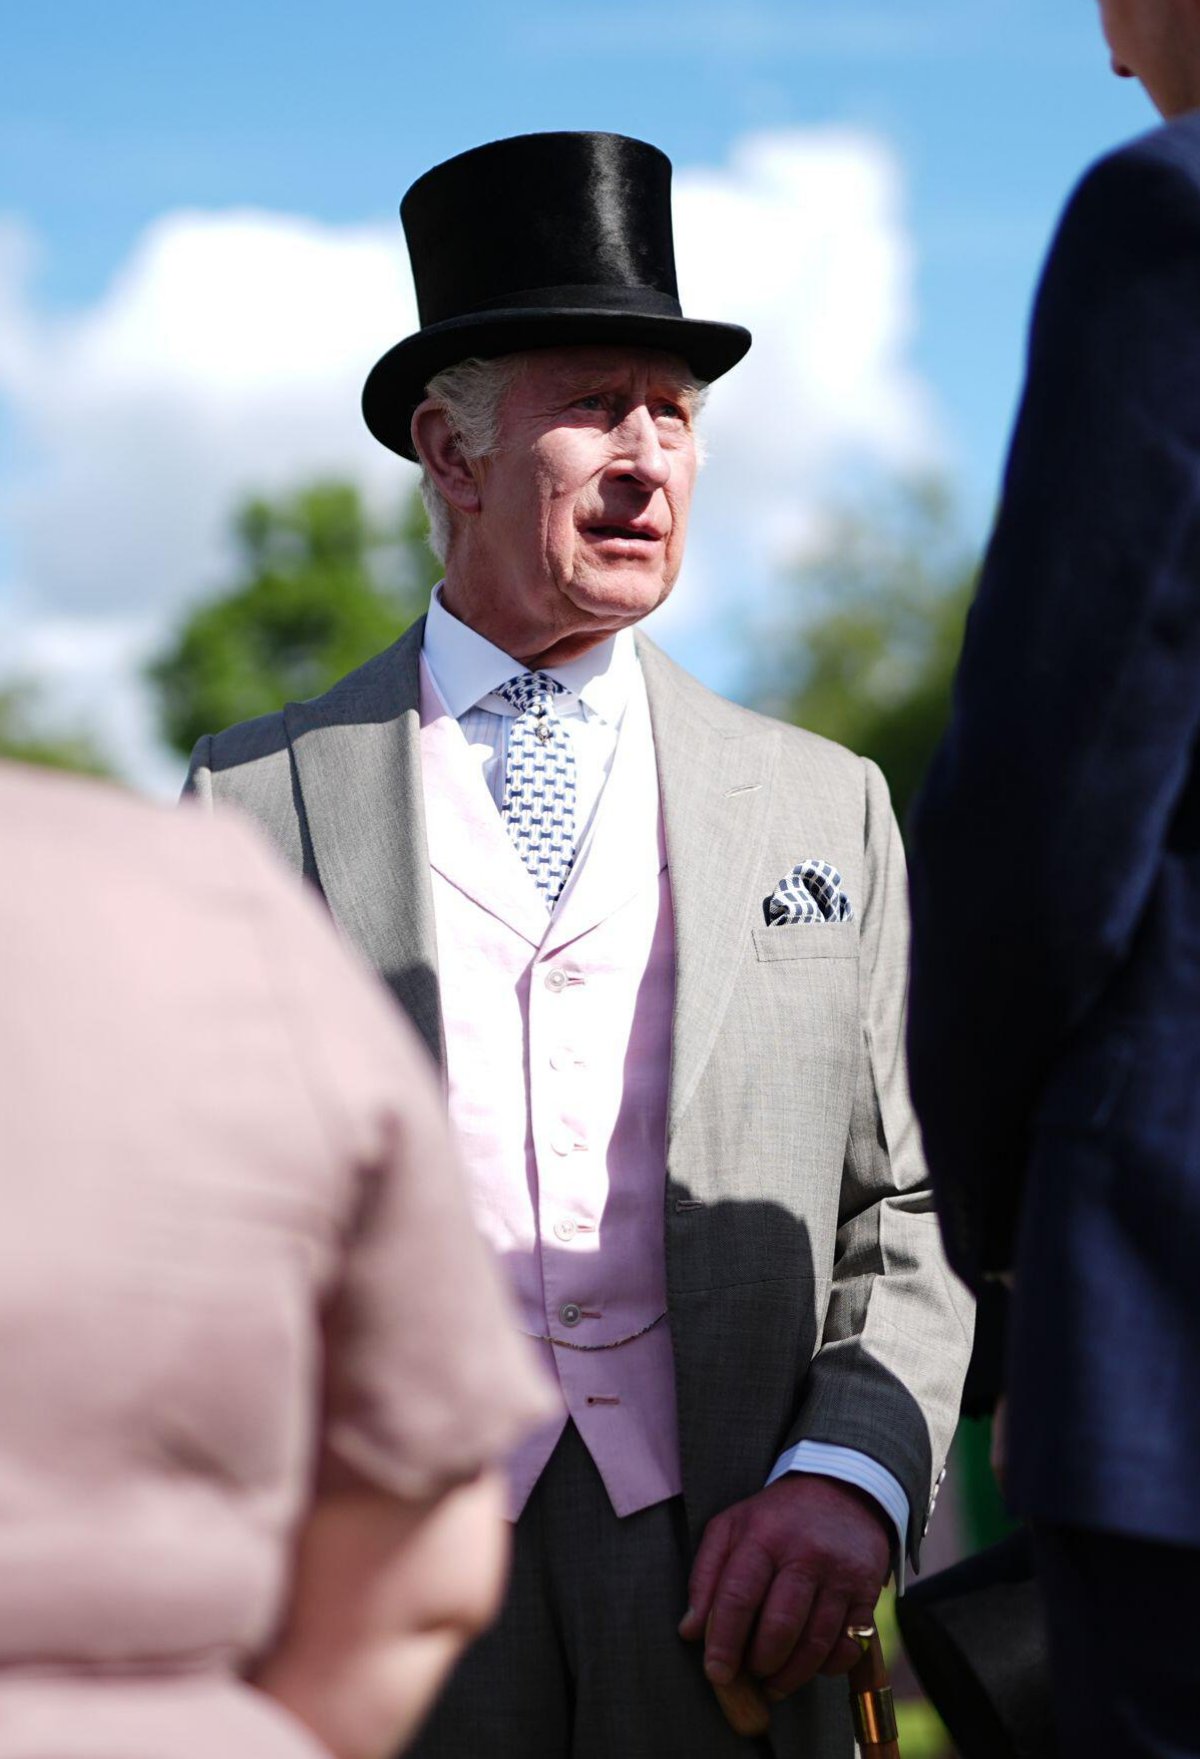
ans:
x=437 y=444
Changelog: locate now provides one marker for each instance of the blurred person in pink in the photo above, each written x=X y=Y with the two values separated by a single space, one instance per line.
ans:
x=255 y=1363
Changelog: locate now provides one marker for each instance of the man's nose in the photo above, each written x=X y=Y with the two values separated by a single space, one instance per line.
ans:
x=640 y=450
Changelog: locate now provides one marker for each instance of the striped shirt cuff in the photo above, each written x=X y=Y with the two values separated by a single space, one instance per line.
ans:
x=828 y=1461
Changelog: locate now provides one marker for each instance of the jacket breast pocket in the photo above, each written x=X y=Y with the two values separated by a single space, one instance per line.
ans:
x=806 y=940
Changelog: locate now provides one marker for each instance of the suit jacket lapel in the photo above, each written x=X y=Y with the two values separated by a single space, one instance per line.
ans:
x=621 y=852
x=715 y=765
x=357 y=756
x=468 y=842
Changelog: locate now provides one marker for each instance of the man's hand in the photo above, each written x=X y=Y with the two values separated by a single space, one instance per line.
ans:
x=778 y=1578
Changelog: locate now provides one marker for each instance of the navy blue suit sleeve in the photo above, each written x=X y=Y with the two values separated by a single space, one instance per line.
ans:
x=1041 y=826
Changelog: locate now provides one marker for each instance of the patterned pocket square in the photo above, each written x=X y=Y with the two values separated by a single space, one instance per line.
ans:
x=812 y=892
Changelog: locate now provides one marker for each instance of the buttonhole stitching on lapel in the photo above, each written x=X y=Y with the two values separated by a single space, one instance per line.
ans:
x=746 y=788
x=682 y=1203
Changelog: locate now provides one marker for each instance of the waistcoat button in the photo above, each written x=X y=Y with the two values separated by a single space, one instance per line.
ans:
x=565 y=1230
x=569 y=1313
x=556 y=979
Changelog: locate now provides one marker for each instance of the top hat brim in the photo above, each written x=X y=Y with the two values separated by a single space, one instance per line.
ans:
x=978 y=1639
x=396 y=383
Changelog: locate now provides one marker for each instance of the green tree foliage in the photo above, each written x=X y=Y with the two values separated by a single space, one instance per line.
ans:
x=320 y=589
x=867 y=653
x=27 y=735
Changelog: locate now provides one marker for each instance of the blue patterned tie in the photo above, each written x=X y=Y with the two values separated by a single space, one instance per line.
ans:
x=539 y=783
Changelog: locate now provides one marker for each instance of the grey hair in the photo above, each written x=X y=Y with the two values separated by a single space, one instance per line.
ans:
x=471 y=396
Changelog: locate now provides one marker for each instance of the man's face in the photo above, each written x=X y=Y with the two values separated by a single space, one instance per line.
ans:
x=584 y=508
x=1158 y=42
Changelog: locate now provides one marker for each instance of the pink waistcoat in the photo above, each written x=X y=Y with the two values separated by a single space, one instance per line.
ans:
x=558 y=1048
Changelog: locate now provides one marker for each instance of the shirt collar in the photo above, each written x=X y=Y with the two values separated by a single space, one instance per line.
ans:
x=466 y=666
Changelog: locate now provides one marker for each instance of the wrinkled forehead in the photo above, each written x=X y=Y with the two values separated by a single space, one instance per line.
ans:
x=606 y=364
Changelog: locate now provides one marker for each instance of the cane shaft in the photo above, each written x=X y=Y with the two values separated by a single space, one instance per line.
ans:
x=871 y=1701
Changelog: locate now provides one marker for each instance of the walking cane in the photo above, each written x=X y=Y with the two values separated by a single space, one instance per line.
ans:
x=748 y=1713
x=871 y=1697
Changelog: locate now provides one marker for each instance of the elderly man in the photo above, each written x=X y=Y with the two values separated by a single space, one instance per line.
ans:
x=659 y=946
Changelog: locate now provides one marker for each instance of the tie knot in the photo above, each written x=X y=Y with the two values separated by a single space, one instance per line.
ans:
x=531 y=690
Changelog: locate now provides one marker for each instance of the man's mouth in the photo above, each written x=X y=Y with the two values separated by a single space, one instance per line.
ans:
x=639 y=534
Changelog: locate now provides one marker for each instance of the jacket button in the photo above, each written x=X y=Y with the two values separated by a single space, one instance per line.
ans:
x=565 y=1230
x=570 y=1313
x=556 y=980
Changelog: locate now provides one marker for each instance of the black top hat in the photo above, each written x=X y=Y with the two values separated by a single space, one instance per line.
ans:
x=536 y=242
x=977 y=1636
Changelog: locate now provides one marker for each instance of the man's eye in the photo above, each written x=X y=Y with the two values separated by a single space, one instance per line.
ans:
x=592 y=401
x=672 y=411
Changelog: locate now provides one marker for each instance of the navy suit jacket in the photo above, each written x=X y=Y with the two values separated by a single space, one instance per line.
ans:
x=1055 y=1006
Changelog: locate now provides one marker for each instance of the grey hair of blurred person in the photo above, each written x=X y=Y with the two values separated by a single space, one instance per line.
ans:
x=471 y=396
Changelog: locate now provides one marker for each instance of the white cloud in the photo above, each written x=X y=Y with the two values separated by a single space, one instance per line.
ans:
x=802 y=238
x=228 y=354
x=85 y=672
x=225 y=357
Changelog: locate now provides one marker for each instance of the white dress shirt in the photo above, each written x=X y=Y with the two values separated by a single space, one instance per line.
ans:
x=466 y=670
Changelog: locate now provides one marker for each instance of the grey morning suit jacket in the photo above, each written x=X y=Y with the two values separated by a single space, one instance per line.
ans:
x=808 y=1295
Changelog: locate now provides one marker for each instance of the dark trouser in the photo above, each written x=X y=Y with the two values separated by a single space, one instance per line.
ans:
x=585 y=1662
x=1124 y=1642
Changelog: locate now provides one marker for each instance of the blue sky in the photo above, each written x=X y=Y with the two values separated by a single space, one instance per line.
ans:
x=114 y=116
